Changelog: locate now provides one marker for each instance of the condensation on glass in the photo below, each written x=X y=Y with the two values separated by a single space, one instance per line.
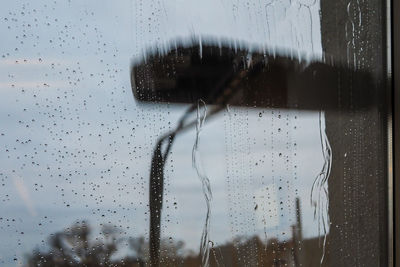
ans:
x=193 y=133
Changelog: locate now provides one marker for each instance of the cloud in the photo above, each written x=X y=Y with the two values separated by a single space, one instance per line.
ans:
x=33 y=84
x=36 y=62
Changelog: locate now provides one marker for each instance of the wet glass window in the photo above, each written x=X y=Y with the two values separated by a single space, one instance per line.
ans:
x=194 y=133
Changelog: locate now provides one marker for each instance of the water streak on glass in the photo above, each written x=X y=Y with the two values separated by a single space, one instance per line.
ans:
x=205 y=183
x=319 y=190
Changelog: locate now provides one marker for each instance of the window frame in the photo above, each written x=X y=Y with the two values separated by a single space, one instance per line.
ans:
x=393 y=65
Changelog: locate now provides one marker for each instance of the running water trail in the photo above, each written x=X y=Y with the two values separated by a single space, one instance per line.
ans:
x=319 y=190
x=196 y=162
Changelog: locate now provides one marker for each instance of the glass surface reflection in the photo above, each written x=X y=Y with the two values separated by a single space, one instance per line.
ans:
x=291 y=95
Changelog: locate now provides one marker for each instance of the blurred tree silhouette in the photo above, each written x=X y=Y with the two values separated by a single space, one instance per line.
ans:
x=78 y=246
x=75 y=247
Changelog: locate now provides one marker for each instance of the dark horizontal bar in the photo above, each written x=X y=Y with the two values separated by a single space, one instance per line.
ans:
x=224 y=75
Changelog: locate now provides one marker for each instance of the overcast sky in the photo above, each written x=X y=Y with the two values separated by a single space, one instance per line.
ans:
x=76 y=145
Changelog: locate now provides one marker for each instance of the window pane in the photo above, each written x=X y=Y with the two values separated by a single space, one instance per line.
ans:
x=187 y=133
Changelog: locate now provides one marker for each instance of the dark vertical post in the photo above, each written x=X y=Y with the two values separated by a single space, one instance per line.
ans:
x=298 y=220
x=353 y=33
x=396 y=126
x=297 y=233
